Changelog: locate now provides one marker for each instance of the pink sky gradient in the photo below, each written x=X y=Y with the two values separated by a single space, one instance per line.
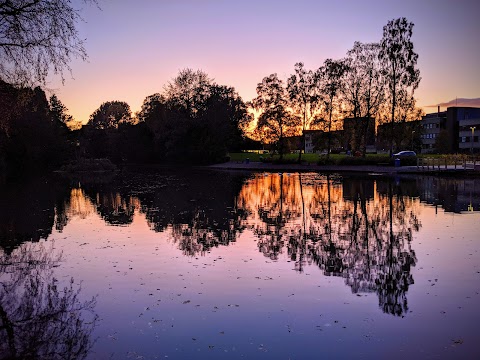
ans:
x=136 y=47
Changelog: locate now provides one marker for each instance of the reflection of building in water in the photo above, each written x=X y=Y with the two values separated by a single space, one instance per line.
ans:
x=453 y=195
x=343 y=227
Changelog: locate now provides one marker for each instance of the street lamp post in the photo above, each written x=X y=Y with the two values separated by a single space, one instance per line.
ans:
x=413 y=132
x=471 y=140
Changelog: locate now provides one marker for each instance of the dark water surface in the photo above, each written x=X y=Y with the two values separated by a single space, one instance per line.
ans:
x=223 y=265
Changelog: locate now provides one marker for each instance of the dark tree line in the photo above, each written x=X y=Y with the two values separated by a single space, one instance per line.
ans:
x=193 y=121
x=32 y=136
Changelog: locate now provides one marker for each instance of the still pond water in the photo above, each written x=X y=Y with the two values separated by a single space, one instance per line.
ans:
x=227 y=265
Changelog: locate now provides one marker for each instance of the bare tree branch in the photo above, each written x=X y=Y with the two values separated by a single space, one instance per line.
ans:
x=38 y=37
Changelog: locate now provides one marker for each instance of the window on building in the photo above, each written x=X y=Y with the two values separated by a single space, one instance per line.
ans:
x=475 y=139
x=463 y=139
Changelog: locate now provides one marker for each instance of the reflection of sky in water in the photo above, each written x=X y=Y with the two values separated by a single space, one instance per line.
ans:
x=240 y=301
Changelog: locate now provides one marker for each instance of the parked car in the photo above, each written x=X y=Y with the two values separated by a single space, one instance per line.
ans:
x=404 y=154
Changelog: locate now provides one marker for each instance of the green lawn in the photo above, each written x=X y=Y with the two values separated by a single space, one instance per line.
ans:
x=342 y=159
x=310 y=158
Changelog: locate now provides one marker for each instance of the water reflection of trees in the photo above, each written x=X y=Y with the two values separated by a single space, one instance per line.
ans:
x=38 y=318
x=341 y=225
x=356 y=228
x=28 y=211
x=197 y=210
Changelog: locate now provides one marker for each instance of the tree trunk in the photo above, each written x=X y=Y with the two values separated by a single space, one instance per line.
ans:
x=280 y=140
x=302 y=148
x=394 y=104
x=329 y=136
x=365 y=136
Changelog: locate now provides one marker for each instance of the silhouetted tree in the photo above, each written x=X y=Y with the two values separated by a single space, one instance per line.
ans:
x=31 y=140
x=150 y=108
x=304 y=97
x=227 y=113
x=275 y=120
x=188 y=92
x=332 y=73
x=110 y=115
x=134 y=144
x=195 y=120
x=399 y=69
x=363 y=91
x=62 y=123
x=37 y=37
x=58 y=111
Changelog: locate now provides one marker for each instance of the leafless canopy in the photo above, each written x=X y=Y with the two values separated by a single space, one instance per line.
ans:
x=38 y=37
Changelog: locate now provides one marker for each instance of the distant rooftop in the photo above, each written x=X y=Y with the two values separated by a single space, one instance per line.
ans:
x=436 y=114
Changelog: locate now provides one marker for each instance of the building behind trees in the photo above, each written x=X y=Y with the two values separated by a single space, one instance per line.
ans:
x=455 y=130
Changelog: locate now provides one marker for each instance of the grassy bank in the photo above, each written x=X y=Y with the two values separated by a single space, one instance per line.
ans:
x=343 y=159
x=310 y=158
x=334 y=159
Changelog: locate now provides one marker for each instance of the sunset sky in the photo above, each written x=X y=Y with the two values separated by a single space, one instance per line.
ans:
x=136 y=47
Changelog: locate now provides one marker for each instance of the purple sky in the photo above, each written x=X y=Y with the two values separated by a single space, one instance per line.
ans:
x=135 y=47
